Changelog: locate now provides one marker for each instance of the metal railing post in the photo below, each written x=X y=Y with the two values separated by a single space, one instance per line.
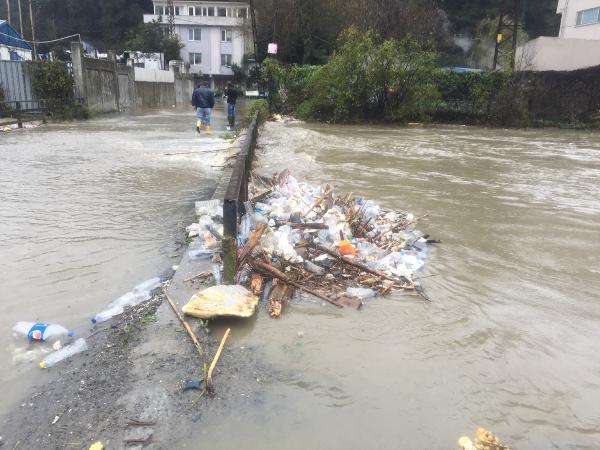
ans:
x=19 y=118
x=236 y=195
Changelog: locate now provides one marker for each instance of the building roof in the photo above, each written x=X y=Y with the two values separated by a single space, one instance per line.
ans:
x=11 y=37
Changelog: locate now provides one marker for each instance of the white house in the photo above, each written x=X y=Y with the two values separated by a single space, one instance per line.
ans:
x=12 y=45
x=215 y=34
x=580 y=19
x=577 y=45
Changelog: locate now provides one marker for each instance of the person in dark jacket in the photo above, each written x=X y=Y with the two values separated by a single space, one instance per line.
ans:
x=232 y=96
x=203 y=99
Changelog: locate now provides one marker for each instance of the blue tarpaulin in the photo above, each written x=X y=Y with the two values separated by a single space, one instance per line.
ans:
x=10 y=37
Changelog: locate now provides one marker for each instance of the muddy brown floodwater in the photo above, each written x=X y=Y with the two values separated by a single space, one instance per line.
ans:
x=88 y=210
x=510 y=340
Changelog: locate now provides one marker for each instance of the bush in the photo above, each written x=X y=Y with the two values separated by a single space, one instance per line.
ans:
x=262 y=106
x=52 y=82
x=490 y=97
x=366 y=78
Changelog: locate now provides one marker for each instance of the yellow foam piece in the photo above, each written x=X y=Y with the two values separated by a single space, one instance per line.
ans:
x=218 y=301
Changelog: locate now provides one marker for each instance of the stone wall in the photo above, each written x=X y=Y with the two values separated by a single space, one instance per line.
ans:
x=105 y=86
x=154 y=95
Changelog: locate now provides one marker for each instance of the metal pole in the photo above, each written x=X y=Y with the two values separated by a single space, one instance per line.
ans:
x=8 y=11
x=20 y=18
x=515 y=35
x=32 y=30
x=498 y=38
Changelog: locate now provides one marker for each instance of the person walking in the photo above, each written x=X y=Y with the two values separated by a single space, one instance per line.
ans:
x=203 y=99
x=232 y=96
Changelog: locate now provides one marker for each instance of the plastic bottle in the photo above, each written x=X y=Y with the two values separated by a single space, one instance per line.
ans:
x=216 y=271
x=40 y=331
x=140 y=293
x=66 y=352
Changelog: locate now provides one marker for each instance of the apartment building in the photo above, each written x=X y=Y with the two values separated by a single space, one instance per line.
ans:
x=215 y=35
x=580 y=19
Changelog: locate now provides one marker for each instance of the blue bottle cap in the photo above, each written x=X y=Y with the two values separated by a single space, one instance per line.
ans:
x=70 y=333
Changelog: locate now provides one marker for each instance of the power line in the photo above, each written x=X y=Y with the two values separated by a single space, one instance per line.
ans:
x=42 y=42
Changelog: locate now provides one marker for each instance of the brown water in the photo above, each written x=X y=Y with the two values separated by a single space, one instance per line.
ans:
x=88 y=210
x=510 y=341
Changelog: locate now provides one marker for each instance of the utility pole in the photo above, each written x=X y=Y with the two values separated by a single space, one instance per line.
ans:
x=8 y=11
x=499 y=38
x=20 y=18
x=253 y=16
x=517 y=15
x=32 y=31
x=171 y=17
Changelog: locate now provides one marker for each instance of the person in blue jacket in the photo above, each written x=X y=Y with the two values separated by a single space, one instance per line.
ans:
x=203 y=99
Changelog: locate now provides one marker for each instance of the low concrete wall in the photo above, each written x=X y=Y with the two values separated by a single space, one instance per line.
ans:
x=126 y=76
x=154 y=95
x=106 y=86
x=183 y=89
x=96 y=80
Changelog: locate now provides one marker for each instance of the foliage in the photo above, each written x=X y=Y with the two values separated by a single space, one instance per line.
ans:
x=366 y=78
x=52 y=82
x=171 y=47
x=3 y=107
x=146 y=38
x=239 y=74
x=482 y=97
x=150 y=38
x=261 y=106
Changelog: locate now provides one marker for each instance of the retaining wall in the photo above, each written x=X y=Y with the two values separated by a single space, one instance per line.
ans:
x=106 y=86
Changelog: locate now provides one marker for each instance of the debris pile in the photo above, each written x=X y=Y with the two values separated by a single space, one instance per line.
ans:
x=484 y=440
x=342 y=249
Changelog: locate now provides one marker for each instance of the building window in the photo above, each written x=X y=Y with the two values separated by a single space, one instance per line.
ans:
x=225 y=59
x=222 y=12
x=226 y=35
x=159 y=10
x=195 y=59
x=210 y=11
x=242 y=13
x=195 y=34
x=588 y=16
x=179 y=11
x=191 y=11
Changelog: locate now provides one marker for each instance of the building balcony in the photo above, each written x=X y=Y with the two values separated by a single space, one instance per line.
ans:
x=199 y=20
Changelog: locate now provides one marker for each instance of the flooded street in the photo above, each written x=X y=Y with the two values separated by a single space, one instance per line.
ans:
x=510 y=340
x=90 y=209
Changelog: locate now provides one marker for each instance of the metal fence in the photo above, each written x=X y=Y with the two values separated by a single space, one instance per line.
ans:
x=15 y=81
x=236 y=195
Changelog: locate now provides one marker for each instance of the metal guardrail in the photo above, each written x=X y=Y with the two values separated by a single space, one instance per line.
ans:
x=22 y=108
x=235 y=196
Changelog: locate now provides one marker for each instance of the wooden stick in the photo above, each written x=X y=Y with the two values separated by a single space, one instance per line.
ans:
x=200 y=275
x=252 y=242
x=295 y=226
x=184 y=323
x=350 y=262
x=215 y=360
x=283 y=277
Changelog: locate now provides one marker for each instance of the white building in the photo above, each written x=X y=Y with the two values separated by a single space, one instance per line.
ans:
x=580 y=19
x=577 y=45
x=215 y=35
x=12 y=45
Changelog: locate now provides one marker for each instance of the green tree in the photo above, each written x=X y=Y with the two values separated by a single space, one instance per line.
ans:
x=147 y=38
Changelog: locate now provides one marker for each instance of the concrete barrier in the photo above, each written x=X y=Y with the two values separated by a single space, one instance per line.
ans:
x=106 y=86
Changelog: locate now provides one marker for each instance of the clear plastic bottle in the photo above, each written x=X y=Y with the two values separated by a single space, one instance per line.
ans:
x=40 y=331
x=139 y=294
x=66 y=352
